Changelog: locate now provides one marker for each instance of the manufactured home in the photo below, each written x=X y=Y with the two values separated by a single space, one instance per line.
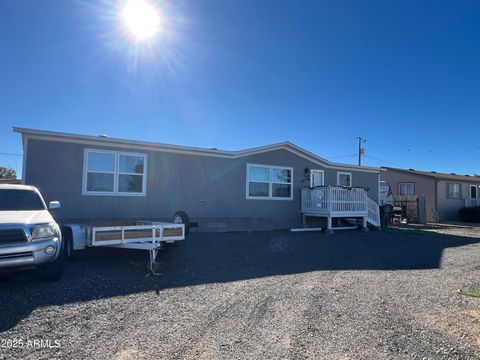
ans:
x=102 y=179
x=444 y=193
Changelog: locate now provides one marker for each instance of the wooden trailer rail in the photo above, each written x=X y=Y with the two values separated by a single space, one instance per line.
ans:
x=144 y=236
x=119 y=235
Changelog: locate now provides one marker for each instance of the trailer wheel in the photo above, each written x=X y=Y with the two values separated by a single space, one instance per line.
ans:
x=181 y=217
x=156 y=267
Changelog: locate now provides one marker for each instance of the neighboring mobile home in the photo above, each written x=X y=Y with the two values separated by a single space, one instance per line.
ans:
x=444 y=193
x=97 y=178
x=10 y=181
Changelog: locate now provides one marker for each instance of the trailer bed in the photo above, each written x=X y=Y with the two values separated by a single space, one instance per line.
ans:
x=145 y=235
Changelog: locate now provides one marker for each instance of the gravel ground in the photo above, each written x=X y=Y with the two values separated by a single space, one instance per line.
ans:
x=350 y=295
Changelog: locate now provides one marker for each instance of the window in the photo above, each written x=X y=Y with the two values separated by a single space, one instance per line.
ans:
x=453 y=191
x=473 y=192
x=130 y=173
x=100 y=172
x=344 y=179
x=269 y=182
x=406 y=189
x=114 y=173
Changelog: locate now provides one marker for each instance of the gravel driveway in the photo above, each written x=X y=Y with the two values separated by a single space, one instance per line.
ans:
x=350 y=295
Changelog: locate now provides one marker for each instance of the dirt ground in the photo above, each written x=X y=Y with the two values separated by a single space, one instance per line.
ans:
x=450 y=228
x=349 y=295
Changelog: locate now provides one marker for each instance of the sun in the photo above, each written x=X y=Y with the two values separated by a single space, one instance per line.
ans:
x=141 y=18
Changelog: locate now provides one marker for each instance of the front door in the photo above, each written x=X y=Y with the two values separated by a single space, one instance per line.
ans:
x=474 y=192
x=316 y=178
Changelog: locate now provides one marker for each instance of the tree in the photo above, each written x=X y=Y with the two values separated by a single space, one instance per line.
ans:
x=7 y=173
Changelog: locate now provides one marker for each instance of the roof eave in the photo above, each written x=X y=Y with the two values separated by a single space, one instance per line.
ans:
x=227 y=153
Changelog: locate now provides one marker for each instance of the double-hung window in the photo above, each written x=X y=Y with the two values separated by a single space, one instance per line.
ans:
x=406 y=189
x=453 y=191
x=100 y=172
x=344 y=179
x=114 y=173
x=269 y=182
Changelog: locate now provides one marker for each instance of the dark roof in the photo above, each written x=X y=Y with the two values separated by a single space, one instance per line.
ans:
x=438 y=175
x=10 y=181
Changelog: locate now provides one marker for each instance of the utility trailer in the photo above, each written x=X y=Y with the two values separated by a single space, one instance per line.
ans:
x=143 y=235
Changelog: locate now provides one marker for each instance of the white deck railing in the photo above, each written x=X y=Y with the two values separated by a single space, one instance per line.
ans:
x=373 y=212
x=472 y=202
x=331 y=199
x=334 y=201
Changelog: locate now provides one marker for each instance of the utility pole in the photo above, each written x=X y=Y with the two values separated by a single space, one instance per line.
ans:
x=361 y=151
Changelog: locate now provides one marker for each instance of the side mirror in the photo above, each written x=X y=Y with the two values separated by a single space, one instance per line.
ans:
x=54 y=205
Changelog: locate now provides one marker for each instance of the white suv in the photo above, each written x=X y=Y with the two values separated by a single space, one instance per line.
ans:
x=29 y=236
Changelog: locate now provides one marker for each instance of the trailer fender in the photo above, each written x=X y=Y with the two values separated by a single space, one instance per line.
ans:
x=77 y=236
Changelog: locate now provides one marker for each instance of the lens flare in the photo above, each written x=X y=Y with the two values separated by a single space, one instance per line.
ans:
x=142 y=19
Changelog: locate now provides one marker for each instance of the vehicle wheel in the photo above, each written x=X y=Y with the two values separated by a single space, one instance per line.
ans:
x=53 y=271
x=181 y=217
x=68 y=250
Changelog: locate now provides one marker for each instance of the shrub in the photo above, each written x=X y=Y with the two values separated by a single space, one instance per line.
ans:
x=469 y=214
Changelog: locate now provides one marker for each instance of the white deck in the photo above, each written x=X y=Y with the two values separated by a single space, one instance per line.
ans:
x=472 y=202
x=338 y=202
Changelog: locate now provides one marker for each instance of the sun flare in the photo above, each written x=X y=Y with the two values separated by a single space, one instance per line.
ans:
x=141 y=18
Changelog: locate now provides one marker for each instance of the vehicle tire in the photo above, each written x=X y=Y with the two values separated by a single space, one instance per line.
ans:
x=181 y=217
x=53 y=271
x=68 y=250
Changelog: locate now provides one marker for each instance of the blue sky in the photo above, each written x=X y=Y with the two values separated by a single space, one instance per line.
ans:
x=235 y=74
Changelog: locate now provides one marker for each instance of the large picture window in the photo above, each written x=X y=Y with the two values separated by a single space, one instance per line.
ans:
x=114 y=173
x=269 y=182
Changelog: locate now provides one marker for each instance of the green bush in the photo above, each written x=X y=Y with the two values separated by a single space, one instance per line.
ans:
x=469 y=214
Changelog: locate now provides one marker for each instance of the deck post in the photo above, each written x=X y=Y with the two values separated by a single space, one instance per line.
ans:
x=364 y=224
x=304 y=220
x=329 y=225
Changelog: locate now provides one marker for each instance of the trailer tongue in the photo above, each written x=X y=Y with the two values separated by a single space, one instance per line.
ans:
x=146 y=235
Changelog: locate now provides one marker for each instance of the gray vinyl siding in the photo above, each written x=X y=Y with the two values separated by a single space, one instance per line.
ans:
x=439 y=207
x=447 y=207
x=423 y=185
x=212 y=190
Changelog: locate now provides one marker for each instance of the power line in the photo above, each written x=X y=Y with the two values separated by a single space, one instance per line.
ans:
x=384 y=161
x=10 y=154
x=341 y=156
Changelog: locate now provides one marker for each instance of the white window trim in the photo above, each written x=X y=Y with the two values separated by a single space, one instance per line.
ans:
x=344 y=173
x=470 y=191
x=270 y=182
x=116 y=173
x=317 y=171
